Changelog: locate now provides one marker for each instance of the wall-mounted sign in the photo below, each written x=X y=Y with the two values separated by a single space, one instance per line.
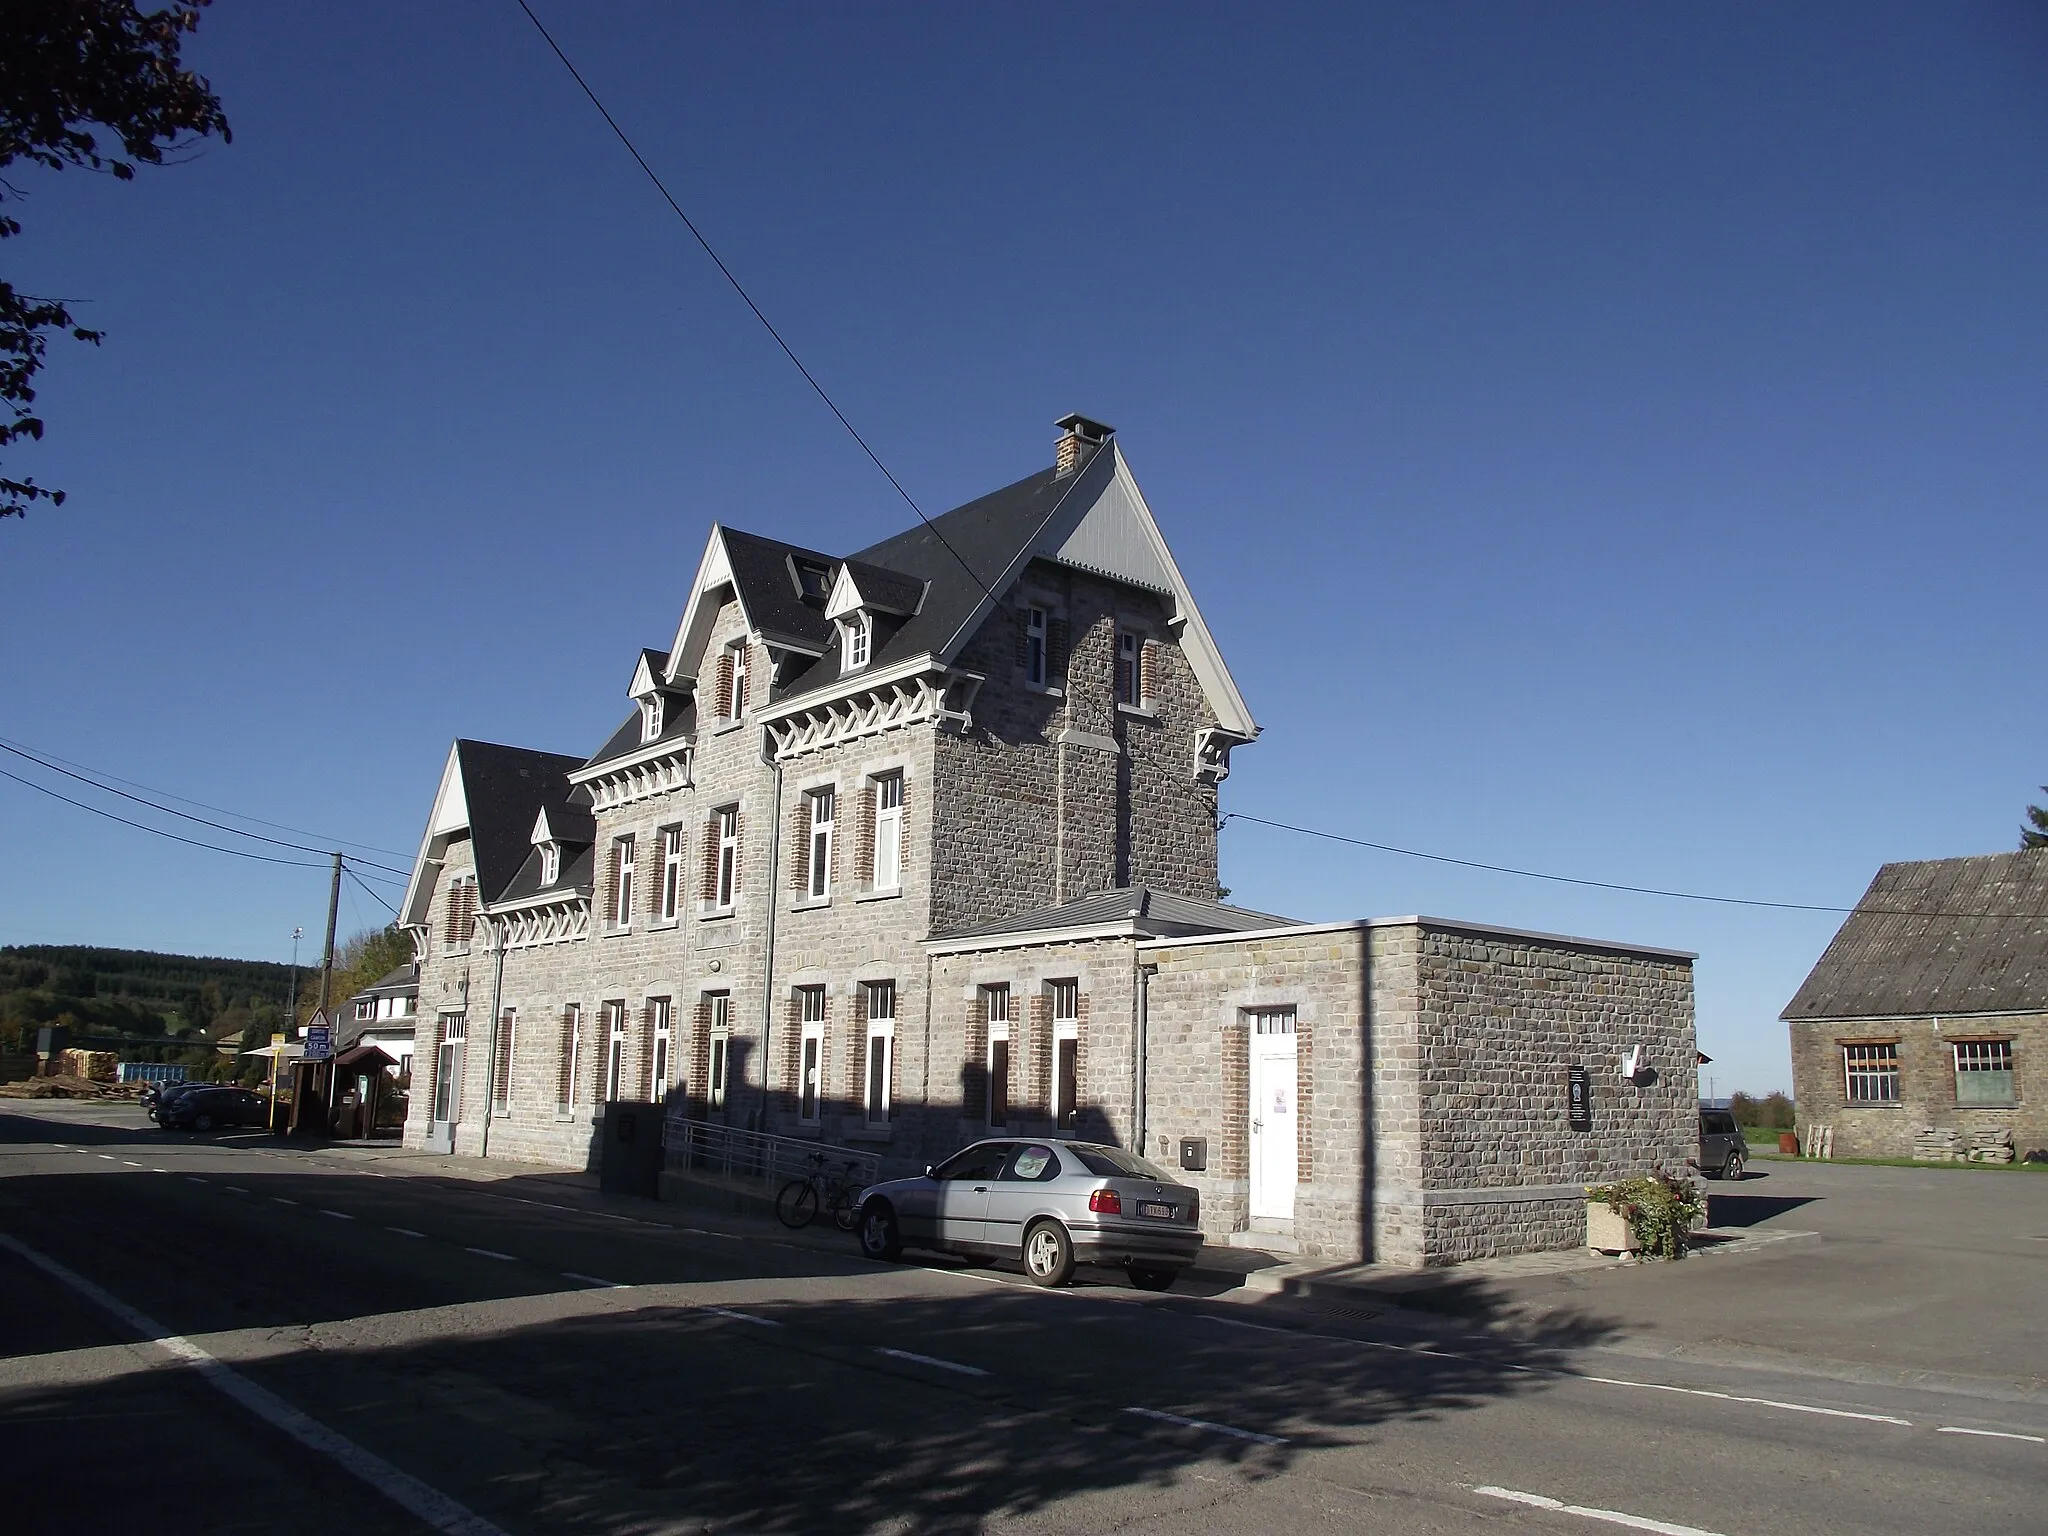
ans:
x=1580 y=1099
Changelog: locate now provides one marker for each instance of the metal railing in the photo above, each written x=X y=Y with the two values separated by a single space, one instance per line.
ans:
x=753 y=1160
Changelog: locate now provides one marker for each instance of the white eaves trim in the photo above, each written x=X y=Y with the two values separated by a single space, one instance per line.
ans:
x=694 y=632
x=449 y=816
x=1456 y=925
x=652 y=752
x=1042 y=936
x=852 y=683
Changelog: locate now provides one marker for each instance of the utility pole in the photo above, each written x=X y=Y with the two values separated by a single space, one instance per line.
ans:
x=311 y=1073
x=333 y=912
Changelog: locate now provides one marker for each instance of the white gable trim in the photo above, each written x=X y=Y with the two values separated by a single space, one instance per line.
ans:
x=693 y=634
x=449 y=817
x=644 y=680
x=845 y=596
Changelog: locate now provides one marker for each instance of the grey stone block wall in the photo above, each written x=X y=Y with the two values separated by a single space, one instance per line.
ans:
x=1927 y=1082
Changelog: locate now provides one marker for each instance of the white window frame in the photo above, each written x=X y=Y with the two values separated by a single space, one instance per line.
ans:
x=367 y=1008
x=1271 y=1021
x=625 y=847
x=671 y=873
x=995 y=1010
x=726 y=889
x=1130 y=679
x=824 y=815
x=575 y=1012
x=858 y=642
x=810 y=1079
x=720 y=1055
x=889 y=821
x=650 y=717
x=737 y=650
x=1980 y=1059
x=1866 y=1074
x=615 y=1049
x=550 y=863
x=664 y=1041
x=1037 y=629
x=879 y=1061
x=1066 y=1027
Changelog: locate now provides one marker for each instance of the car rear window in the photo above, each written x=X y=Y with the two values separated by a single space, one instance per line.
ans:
x=1717 y=1122
x=1114 y=1162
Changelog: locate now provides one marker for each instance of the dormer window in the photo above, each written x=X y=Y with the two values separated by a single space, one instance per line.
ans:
x=859 y=636
x=550 y=863
x=651 y=714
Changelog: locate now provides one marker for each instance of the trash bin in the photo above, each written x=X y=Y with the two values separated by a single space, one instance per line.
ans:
x=629 y=1162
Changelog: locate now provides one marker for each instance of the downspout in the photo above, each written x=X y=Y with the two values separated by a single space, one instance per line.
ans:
x=768 y=958
x=1141 y=1050
x=491 y=1063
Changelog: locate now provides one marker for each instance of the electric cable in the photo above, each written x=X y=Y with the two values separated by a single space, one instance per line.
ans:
x=240 y=853
x=367 y=891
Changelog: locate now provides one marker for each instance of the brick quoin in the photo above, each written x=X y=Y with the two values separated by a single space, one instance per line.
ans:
x=1039 y=1071
x=1304 y=1100
x=698 y=1089
x=857 y=1052
x=800 y=845
x=1234 y=1152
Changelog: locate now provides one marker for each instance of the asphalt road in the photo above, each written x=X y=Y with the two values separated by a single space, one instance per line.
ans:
x=352 y=1348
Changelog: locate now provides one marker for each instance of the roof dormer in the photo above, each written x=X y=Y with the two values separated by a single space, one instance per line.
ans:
x=654 y=694
x=860 y=593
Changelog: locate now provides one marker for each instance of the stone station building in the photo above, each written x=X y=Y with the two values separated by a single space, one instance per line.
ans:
x=904 y=848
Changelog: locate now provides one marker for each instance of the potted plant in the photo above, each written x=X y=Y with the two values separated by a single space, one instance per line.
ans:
x=1650 y=1214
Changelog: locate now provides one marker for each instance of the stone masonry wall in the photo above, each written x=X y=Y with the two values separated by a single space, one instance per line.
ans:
x=1927 y=1082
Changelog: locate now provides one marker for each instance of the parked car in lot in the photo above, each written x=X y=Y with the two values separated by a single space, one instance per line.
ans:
x=157 y=1094
x=1053 y=1204
x=1723 y=1151
x=202 y=1109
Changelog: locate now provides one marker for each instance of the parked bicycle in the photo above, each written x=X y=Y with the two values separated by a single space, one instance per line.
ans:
x=837 y=1190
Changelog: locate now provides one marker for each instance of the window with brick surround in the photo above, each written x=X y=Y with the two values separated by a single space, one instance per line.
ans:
x=501 y=1069
x=881 y=1053
x=726 y=827
x=461 y=917
x=1127 y=680
x=614 y=1082
x=621 y=915
x=1870 y=1073
x=824 y=809
x=888 y=857
x=811 y=1055
x=572 y=1057
x=662 y=1018
x=721 y=1047
x=671 y=873
x=995 y=1004
x=1034 y=647
x=1984 y=1073
x=1066 y=1050
x=736 y=690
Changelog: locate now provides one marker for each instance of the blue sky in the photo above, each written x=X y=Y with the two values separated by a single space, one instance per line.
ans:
x=1603 y=440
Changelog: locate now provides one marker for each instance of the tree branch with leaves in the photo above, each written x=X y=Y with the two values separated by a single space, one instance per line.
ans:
x=66 y=68
x=2036 y=835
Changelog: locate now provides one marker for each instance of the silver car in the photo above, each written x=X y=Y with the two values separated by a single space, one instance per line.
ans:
x=1054 y=1204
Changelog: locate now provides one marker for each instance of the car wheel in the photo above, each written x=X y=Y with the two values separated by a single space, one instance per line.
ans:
x=879 y=1236
x=1048 y=1254
x=1146 y=1278
x=1732 y=1169
x=202 y=1122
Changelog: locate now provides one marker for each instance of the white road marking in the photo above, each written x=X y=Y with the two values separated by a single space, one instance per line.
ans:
x=1214 y=1428
x=159 y=1170
x=744 y=1317
x=944 y=1365
x=234 y=1189
x=193 y=1178
x=107 y=1157
x=492 y=1253
x=1611 y=1516
x=405 y=1232
x=126 y=1164
x=404 y=1490
x=337 y=1215
x=603 y=1285
x=1990 y=1434
x=1765 y=1402
x=280 y=1199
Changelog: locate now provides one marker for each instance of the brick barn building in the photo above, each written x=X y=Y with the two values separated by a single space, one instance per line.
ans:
x=901 y=848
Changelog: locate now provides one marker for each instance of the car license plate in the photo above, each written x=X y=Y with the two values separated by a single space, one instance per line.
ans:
x=1155 y=1210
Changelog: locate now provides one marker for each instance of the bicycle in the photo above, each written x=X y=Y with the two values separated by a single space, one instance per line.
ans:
x=838 y=1191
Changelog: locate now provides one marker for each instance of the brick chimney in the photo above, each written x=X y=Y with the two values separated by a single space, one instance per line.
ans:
x=1079 y=439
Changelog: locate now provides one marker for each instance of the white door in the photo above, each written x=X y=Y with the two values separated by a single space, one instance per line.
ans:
x=1273 y=1114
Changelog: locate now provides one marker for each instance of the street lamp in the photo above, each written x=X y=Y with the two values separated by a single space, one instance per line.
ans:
x=292 y=1008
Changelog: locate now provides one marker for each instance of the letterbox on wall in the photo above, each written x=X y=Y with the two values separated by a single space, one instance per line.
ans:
x=1194 y=1154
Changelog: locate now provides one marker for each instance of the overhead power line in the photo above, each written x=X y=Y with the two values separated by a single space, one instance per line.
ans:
x=368 y=892
x=748 y=299
x=240 y=853
x=218 y=826
x=1608 y=885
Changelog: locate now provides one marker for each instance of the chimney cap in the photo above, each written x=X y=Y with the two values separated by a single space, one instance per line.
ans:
x=1085 y=428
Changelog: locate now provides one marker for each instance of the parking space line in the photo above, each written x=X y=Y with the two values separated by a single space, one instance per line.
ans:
x=337 y=1215
x=279 y=1199
x=932 y=1360
x=1610 y=1516
x=1764 y=1402
x=492 y=1253
x=744 y=1317
x=1991 y=1434
x=405 y=1232
x=1214 y=1428
x=431 y=1505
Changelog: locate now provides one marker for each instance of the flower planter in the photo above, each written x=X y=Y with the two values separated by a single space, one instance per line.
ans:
x=1607 y=1230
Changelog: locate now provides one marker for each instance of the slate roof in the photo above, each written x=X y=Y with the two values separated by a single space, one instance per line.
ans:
x=678 y=719
x=405 y=979
x=768 y=589
x=987 y=534
x=578 y=871
x=1150 y=914
x=1940 y=936
x=505 y=788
